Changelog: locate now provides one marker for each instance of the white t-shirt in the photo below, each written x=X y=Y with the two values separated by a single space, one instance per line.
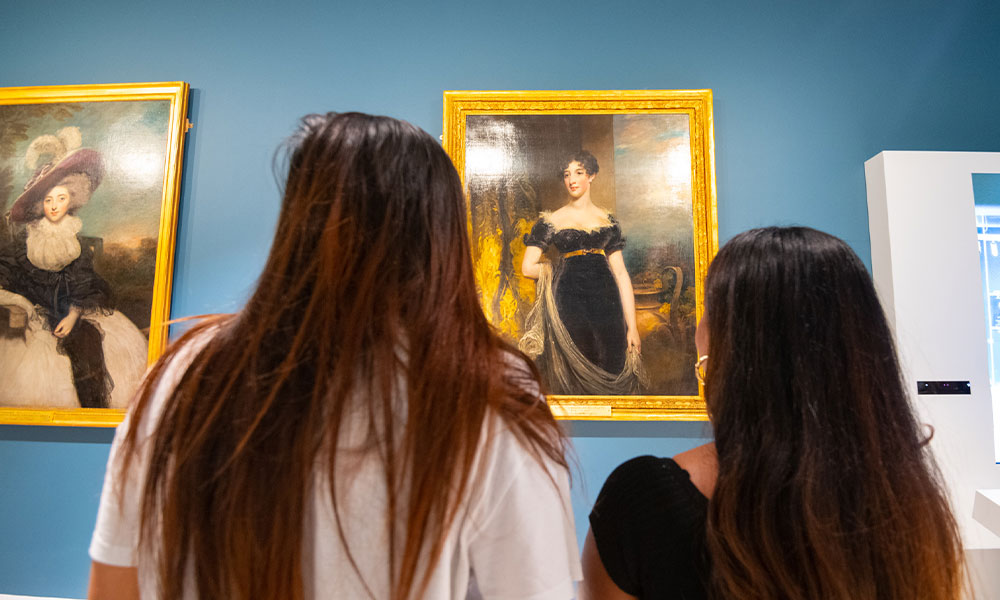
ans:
x=513 y=538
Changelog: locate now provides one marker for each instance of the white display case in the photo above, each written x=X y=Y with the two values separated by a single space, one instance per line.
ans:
x=929 y=272
x=928 y=269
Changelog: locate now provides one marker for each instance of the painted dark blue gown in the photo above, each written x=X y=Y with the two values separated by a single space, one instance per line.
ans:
x=585 y=290
x=53 y=293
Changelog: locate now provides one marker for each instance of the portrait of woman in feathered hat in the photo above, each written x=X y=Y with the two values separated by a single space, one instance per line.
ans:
x=63 y=343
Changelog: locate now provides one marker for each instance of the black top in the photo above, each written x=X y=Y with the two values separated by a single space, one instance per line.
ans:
x=608 y=238
x=649 y=525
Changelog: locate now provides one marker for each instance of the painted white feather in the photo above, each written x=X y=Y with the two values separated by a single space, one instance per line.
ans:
x=70 y=137
x=44 y=145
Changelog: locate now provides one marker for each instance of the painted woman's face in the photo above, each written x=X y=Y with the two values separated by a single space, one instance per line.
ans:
x=576 y=179
x=56 y=203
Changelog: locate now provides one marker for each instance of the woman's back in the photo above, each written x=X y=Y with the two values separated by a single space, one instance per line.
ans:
x=348 y=418
x=481 y=551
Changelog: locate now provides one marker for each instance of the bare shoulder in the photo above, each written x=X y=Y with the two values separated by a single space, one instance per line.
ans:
x=557 y=216
x=702 y=465
x=602 y=214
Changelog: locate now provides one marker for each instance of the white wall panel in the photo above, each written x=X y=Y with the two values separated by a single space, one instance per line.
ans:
x=925 y=262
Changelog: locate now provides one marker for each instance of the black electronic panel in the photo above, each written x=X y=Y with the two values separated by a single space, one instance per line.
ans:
x=944 y=387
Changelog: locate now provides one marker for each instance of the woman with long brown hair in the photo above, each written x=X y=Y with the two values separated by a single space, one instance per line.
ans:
x=820 y=483
x=357 y=430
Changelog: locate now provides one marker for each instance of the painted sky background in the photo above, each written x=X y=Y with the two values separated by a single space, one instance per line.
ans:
x=132 y=139
x=653 y=179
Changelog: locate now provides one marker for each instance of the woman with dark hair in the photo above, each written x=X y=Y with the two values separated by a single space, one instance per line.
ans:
x=582 y=328
x=358 y=429
x=819 y=484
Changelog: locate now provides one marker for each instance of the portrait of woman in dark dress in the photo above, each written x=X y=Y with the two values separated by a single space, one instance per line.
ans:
x=582 y=329
x=64 y=344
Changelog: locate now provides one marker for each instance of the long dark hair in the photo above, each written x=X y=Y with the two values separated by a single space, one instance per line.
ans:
x=367 y=302
x=826 y=488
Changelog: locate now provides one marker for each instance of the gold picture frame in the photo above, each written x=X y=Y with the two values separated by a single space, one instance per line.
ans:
x=504 y=145
x=134 y=134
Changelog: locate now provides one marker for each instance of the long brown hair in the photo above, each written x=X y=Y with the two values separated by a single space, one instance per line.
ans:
x=826 y=488
x=367 y=302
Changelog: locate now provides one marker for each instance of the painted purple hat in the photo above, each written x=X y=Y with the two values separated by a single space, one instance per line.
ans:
x=66 y=160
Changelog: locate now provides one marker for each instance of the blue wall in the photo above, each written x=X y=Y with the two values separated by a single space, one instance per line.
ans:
x=986 y=188
x=804 y=93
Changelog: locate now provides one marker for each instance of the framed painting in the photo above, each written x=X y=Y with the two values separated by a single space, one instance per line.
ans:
x=89 y=185
x=592 y=217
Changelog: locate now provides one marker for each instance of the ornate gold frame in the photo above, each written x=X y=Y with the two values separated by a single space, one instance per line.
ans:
x=697 y=104
x=177 y=93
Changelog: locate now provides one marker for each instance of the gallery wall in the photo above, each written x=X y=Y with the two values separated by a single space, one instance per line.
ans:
x=804 y=94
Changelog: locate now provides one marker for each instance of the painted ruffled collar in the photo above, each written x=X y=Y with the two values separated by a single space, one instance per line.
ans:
x=52 y=246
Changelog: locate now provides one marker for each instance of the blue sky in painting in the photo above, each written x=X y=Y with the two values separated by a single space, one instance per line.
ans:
x=653 y=183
